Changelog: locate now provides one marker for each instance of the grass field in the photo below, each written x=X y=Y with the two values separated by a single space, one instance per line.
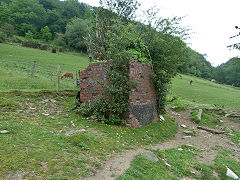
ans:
x=36 y=146
x=22 y=54
x=15 y=73
x=205 y=92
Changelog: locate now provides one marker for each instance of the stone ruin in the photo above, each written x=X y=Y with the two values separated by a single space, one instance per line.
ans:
x=142 y=108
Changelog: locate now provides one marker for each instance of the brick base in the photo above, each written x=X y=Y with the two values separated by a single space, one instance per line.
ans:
x=142 y=109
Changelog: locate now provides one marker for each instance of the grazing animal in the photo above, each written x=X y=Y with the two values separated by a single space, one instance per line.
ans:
x=191 y=81
x=67 y=74
x=213 y=80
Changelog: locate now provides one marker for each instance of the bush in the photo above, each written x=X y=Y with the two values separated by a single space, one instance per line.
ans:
x=3 y=37
x=44 y=47
x=32 y=44
x=16 y=39
x=54 y=50
x=62 y=49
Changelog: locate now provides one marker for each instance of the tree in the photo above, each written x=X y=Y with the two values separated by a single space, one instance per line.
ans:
x=228 y=73
x=46 y=34
x=235 y=45
x=8 y=29
x=124 y=8
x=75 y=34
x=116 y=36
x=29 y=35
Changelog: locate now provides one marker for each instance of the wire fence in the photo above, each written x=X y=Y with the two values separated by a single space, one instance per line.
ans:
x=33 y=75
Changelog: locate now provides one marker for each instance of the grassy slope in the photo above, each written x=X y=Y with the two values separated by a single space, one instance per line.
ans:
x=206 y=92
x=14 y=78
x=184 y=163
x=37 y=146
x=22 y=54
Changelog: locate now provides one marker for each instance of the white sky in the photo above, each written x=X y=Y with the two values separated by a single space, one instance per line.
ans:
x=212 y=23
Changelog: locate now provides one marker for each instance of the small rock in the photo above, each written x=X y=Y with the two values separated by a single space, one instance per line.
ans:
x=199 y=114
x=162 y=118
x=167 y=164
x=4 y=131
x=150 y=155
x=53 y=101
x=94 y=117
x=180 y=149
x=231 y=174
x=32 y=108
x=227 y=115
x=60 y=131
x=45 y=101
x=185 y=137
x=73 y=125
x=45 y=114
x=183 y=126
x=221 y=121
x=188 y=132
x=81 y=131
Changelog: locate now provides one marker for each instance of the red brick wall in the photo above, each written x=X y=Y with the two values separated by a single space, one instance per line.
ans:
x=144 y=92
x=142 y=108
x=92 y=80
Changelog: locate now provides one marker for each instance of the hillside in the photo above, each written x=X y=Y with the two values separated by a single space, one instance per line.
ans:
x=196 y=64
x=206 y=92
x=228 y=73
x=16 y=72
x=36 y=140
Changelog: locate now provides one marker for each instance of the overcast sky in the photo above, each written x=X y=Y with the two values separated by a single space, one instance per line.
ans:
x=212 y=23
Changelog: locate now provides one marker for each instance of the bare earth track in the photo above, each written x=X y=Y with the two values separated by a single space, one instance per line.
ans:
x=203 y=140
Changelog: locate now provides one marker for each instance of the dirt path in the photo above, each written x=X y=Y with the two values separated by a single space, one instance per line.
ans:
x=203 y=140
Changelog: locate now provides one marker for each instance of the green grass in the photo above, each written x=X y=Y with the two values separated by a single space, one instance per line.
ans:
x=206 y=92
x=183 y=164
x=69 y=61
x=16 y=74
x=37 y=144
x=209 y=118
x=234 y=135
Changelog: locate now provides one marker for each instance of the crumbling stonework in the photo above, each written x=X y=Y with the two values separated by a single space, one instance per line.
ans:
x=142 y=108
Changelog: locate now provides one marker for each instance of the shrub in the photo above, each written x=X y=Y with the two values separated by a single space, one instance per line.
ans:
x=32 y=44
x=44 y=47
x=16 y=39
x=54 y=50
x=62 y=49
x=3 y=37
x=8 y=29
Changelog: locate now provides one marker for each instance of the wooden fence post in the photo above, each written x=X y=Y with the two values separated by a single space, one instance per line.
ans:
x=33 y=69
x=7 y=63
x=58 y=78
x=51 y=74
x=76 y=78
